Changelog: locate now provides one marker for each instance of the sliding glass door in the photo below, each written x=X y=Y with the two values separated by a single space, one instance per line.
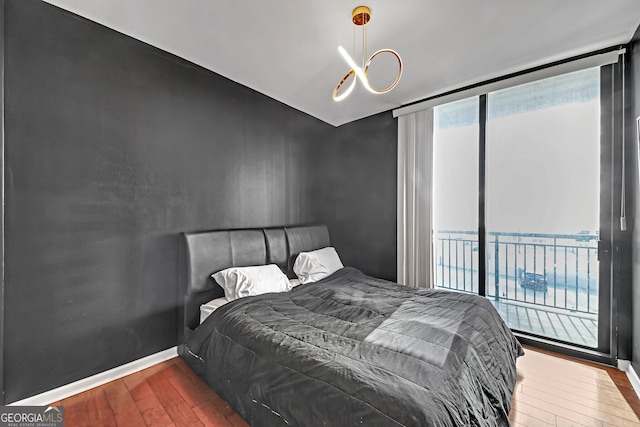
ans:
x=516 y=208
x=542 y=206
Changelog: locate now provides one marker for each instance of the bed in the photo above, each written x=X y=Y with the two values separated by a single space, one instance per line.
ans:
x=348 y=349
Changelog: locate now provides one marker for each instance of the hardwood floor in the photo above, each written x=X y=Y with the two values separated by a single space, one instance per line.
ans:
x=554 y=390
x=551 y=391
x=167 y=394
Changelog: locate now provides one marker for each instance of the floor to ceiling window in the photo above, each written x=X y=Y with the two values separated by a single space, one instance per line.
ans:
x=529 y=159
x=542 y=205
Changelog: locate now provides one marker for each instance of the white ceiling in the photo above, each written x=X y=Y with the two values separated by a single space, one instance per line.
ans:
x=287 y=49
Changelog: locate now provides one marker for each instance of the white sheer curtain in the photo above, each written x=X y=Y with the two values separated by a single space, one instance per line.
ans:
x=415 y=171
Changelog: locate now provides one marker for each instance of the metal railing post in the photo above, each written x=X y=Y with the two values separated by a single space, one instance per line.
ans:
x=555 y=269
x=568 y=280
x=497 y=269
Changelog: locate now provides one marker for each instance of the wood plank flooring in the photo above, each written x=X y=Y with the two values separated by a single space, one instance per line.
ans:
x=165 y=395
x=551 y=390
x=554 y=390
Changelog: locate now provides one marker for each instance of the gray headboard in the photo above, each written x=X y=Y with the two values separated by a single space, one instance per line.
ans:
x=200 y=254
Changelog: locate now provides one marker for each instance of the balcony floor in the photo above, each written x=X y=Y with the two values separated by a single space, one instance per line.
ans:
x=561 y=324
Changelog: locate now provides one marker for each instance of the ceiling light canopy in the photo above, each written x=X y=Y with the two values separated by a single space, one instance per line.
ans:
x=360 y=16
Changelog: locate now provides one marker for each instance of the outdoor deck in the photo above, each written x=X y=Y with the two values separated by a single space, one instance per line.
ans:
x=578 y=328
x=543 y=284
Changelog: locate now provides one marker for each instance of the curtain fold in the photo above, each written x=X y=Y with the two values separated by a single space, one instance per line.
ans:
x=415 y=172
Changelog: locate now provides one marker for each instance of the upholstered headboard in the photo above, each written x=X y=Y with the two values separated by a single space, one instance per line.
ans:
x=205 y=252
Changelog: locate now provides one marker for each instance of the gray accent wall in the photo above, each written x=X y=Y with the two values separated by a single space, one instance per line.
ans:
x=113 y=147
x=633 y=177
x=2 y=6
x=366 y=175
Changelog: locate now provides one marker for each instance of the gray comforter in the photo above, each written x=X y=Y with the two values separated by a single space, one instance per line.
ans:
x=354 y=350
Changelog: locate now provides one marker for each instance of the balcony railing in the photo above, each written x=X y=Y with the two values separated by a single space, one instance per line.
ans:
x=553 y=270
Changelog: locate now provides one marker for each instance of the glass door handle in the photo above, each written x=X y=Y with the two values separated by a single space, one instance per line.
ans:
x=604 y=248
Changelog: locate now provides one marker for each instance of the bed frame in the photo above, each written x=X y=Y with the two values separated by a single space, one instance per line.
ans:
x=203 y=253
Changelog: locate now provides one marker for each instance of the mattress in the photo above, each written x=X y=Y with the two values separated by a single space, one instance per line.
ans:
x=356 y=350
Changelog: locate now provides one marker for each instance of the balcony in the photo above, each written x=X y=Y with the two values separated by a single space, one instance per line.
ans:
x=545 y=284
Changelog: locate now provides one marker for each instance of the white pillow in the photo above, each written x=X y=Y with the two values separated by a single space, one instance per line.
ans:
x=239 y=282
x=315 y=265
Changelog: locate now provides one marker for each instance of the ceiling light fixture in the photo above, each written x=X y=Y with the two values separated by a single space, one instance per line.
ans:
x=360 y=16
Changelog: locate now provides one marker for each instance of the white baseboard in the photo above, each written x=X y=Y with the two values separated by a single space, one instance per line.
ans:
x=88 y=383
x=633 y=378
x=623 y=365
